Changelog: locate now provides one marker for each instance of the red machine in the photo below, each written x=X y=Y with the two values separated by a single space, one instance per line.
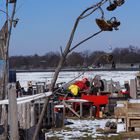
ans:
x=97 y=101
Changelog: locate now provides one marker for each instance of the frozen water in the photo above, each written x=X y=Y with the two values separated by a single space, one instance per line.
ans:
x=46 y=77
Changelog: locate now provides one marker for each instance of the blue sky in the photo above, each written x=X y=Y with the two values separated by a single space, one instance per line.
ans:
x=45 y=25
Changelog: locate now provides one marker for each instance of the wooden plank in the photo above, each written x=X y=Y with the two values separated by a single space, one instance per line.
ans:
x=32 y=115
x=135 y=123
x=64 y=113
x=127 y=120
x=65 y=104
x=52 y=113
x=133 y=105
x=14 y=135
x=49 y=114
x=28 y=119
x=81 y=109
x=20 y=115
x=133 y=89
x=24 y=115
x=133 y=111
x=91 y=111
x=26 y=99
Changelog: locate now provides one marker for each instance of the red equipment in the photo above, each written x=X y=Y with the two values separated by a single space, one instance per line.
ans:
x=97 y=101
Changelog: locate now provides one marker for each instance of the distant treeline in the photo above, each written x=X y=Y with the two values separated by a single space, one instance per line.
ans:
x=130 y=54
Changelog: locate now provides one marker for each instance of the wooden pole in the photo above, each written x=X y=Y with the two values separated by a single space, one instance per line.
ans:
x=72 y=110
x=13 y=113
x=40 y=119
x=4 y=81
x=81 y=109
x=32 y=115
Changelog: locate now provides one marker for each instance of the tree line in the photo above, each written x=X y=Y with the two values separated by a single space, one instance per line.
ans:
x=130 y=54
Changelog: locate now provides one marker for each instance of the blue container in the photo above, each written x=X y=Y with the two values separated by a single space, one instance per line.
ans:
x=12 y=76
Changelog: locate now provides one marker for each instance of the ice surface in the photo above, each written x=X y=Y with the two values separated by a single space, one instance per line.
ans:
x=46 y=77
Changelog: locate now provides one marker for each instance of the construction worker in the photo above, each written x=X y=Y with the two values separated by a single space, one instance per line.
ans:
x=97 y=85
x=74 y=89
x=79 y=86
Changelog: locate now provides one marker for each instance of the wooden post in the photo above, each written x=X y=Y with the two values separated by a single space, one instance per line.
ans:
x=20 y=115
x=133 y=89
x=64 y=113
x=24 y=115
x=91 y=111
x=32 y=115
x=81 y=109
x=52 y=113
x=49 y=114
x=4 y=122
x=13 y=113
x=28 y=119
x=66 y=105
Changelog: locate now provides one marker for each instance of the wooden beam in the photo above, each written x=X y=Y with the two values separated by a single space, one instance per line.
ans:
x=27 y=99
x=65 y=104
x=13 y=113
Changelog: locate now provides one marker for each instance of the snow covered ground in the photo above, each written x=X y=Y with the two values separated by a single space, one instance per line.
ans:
x=120 y=76
x=80 y=129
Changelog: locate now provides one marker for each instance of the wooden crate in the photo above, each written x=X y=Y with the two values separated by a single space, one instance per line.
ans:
x=131 y=113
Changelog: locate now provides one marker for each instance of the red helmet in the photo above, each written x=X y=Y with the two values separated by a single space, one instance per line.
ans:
x=85 y=80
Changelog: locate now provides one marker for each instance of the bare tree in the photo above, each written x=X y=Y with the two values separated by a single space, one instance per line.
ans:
x=75 y=59
x=103 y=25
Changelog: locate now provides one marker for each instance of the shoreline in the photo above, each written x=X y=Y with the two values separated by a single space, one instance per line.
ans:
x=77 y=69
